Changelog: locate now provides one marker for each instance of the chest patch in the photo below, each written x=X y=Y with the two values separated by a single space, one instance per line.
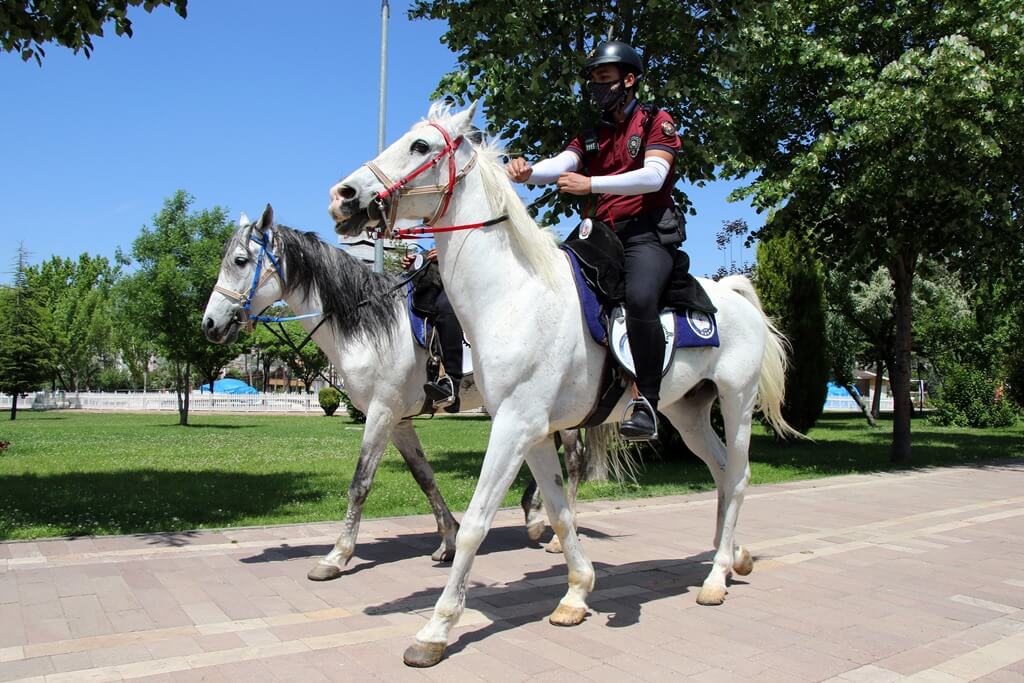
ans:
x=633 y=146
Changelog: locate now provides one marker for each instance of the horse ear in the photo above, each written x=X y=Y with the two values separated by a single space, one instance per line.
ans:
x=462 y=123
x=267 y=219
x=243 y=220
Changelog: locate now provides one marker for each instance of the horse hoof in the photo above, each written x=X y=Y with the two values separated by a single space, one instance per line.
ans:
x=711 y=595
x=422 y=655
x=534 y=530
x=323 y=572
x=443 y=554
x=564 y=615
x=744 y=563
x=553 y=546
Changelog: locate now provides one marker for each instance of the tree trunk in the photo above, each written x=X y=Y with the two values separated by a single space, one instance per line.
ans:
x=183 y=416
x=876 y=398
x=14 y=405
x=902 y=271
x=855 y=395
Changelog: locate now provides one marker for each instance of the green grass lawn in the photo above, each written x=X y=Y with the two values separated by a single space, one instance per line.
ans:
x=69 y=473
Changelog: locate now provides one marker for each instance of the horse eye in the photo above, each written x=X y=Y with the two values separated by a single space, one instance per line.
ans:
x=420 y=147
x=241 y=260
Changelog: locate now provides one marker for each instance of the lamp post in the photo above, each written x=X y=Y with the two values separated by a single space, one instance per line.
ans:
x=378 y=244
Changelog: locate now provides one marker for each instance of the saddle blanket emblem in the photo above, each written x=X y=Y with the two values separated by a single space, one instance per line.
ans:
x=633 y=146
x=586 y=227
x=689 y=330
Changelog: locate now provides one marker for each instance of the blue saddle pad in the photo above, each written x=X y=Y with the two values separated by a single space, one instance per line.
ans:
x=693 y=329
x=418 y=322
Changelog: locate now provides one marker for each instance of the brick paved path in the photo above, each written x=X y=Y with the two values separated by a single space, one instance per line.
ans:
x=866 y=578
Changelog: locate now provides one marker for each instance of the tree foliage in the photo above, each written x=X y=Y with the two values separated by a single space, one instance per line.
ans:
x=525 y=67
x=884 y=132
x=25 y=355
x=178 y=259
x=789 y=284
x=26 y=25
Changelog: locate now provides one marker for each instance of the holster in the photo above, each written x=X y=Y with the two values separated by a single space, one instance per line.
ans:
x=670 y=225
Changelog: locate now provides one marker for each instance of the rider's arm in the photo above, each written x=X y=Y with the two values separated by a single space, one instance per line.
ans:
x=650 y=178
x=548 y=170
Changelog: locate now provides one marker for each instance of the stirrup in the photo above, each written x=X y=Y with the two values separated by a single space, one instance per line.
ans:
x=643 y=403
x=446 y=385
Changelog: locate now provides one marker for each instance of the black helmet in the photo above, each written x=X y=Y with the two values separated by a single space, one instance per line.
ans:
x=614 y=52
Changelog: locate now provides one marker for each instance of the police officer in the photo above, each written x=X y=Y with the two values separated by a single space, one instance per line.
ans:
x=628 y=166
x=430 y=300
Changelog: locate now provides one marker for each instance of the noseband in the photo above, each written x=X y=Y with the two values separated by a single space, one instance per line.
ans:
x=395 y=189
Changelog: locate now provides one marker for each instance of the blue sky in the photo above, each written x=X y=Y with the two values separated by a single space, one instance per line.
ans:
x=240 y=104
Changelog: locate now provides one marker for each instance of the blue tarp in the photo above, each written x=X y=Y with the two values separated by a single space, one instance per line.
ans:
x=229 y=386
x=836 y=390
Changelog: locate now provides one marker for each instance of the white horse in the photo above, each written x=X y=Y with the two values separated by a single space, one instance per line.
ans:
x=537 y=366
x=368 y=338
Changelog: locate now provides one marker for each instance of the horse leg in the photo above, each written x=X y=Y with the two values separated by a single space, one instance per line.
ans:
x=543 y=462
x=531 y=503
x=575 y=466
x=501 y=464
x=408 y=444
x=375 y=438
x=737 y=411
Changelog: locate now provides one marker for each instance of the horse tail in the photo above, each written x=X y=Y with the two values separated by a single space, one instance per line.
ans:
x=609 y=456
x=771 y=385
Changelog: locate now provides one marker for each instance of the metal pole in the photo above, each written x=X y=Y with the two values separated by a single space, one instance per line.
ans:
x=378 y=245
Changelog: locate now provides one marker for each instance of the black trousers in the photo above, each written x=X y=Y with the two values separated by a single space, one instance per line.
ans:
x=430 y=300
x=648 y=267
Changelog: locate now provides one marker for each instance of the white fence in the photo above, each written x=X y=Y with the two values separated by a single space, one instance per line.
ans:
x=846 y=403
x=137 y=401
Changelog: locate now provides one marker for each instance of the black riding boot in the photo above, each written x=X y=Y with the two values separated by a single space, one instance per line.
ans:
x=446 y=393
x=647 y=344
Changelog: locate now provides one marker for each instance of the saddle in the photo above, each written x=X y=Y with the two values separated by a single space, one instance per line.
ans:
x=423 y=335
x=596 y=257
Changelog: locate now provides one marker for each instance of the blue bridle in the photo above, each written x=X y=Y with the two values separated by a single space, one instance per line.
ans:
x=259 y=277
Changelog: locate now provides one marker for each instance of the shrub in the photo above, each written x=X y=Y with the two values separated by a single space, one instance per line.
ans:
x=330 y=399
x=967 y=398
x=357 y=415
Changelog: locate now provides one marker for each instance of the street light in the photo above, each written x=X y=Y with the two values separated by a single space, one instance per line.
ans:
x=378 y=244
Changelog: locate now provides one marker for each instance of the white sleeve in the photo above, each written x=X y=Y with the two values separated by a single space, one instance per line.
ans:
x=650 y=178
x=548 y=170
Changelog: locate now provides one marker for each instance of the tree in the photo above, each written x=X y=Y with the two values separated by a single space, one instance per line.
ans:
x=731 y=241
x=77 y=295
x=25 y=25
x=133 y=341
x=884 y=132
x=179 y=258
x=25 y=356
x=789 y=283
x=310 y=362
x=530 y=88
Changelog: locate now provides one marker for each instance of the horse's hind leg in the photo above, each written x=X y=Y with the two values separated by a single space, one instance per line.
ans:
x=737 y=412
x=531 y=503
x=375 y=438
x=692 y=419
x=575 y=465
x=408 y=444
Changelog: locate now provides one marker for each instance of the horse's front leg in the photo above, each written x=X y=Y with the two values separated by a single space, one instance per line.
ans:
x=575 y=466
x=408 y=444
x=505 y=452
x=543 y=462
x=531 y=503
x=375 y=438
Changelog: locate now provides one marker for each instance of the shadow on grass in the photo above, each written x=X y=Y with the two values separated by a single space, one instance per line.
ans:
x=206 y=426
x=141 y=501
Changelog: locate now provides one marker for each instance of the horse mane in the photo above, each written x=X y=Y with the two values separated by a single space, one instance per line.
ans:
x=535 y=244
x=342 y=283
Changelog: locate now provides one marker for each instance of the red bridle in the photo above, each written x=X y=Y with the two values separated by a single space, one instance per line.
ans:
x=395 y=189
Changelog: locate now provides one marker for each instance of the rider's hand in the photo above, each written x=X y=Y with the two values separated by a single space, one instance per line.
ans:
x=519 y=170
x=407 y=261
x=432 y=255
x=574 y=183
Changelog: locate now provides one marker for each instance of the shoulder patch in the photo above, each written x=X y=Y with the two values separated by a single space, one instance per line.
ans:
x=668 y=128
x=633 y=146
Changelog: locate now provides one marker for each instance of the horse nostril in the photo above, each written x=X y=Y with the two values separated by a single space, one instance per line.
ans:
x=347 y=192
x=208 y=324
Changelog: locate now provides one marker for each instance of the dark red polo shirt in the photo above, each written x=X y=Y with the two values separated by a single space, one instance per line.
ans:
x=621 y=148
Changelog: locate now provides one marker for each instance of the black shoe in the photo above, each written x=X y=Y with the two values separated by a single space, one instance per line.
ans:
x=453 y=407
x=641 y=425
x=442 y=392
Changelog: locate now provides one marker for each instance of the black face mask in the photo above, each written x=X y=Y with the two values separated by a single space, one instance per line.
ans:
x=607 y=96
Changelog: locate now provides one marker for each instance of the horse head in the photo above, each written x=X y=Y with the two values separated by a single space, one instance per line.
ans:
x=251 y=278
x=413 y=179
